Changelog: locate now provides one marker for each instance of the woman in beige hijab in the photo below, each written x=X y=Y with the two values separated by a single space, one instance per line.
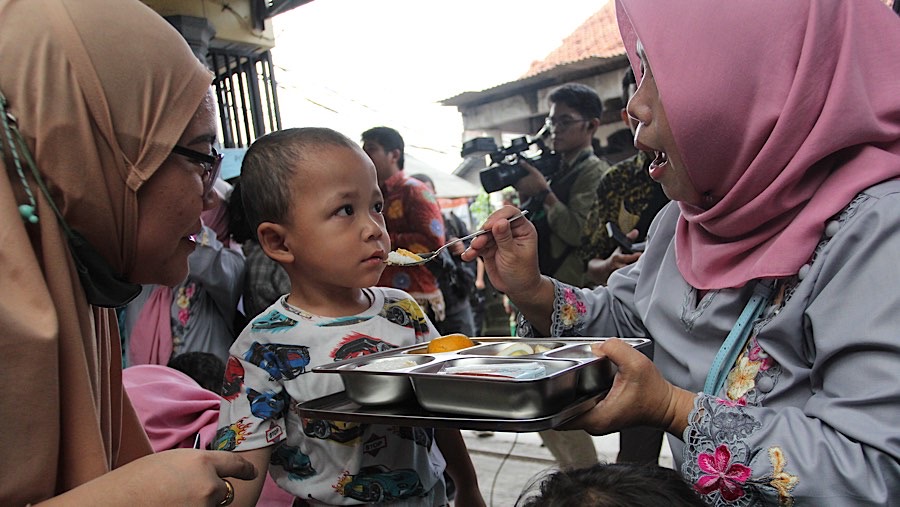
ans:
x=101 y=92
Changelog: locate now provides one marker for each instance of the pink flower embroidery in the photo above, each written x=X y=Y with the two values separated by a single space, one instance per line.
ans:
x=183 y=316
x=723 y=476
x=758 y=355
x=740 y=402
x=571 y=309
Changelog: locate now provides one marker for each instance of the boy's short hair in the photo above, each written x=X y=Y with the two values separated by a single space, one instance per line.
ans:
x=580 y=98
x=271 y=164
x=388 y=138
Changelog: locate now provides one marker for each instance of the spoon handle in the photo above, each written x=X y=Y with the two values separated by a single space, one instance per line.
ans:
x=479 y=233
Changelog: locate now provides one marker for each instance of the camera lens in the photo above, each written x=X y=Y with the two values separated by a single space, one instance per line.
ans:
x=499 y=176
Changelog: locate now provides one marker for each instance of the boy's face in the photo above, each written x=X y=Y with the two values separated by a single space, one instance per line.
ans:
x=335 y=228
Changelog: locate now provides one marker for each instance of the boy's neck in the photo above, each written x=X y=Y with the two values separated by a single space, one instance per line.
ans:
x=343 y=303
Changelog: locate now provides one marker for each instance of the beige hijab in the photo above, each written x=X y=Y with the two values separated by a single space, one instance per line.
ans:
x=102 y=90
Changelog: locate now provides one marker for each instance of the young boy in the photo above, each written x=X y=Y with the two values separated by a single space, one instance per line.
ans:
x=313 y=198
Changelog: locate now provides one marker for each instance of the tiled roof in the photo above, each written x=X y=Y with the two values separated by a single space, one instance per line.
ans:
x=596 y=37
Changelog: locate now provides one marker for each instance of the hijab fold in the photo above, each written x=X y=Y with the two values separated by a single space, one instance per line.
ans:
x=99 y=111
x=782 y=111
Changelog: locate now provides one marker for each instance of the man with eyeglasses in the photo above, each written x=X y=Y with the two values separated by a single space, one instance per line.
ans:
x=561 y=201
x=560 y=204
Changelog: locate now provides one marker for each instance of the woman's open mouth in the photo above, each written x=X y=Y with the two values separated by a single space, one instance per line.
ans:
x=659 y=165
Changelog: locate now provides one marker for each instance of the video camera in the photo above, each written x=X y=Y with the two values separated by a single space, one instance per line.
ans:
x=505 y=169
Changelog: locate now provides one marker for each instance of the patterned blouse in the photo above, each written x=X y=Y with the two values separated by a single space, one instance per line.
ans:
x=809 y=409
x=414 y=222
x=626 y=196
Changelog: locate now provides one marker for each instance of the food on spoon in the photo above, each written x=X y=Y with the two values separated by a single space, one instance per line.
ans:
x=449 y=343
x=517 y=349
x=401 y=256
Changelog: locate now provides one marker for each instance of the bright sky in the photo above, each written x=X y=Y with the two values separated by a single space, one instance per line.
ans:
x=355 y=64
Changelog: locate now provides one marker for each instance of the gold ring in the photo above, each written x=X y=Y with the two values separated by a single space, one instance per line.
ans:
x=229 y=493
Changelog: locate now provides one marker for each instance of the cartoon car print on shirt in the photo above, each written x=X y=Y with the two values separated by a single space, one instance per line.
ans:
x=421 y=436
x=234 y=379
x=406 y=313
x=265 y=405
x=297 y=465
x=378 y=483
x=229 y=437
x=358 y=345
x=279 y=361
x=273 y=321
x=341 y=432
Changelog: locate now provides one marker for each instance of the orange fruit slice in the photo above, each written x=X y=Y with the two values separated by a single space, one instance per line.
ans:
x=449 y=343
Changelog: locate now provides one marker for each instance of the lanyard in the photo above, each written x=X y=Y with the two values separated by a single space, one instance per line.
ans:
x=737 y=338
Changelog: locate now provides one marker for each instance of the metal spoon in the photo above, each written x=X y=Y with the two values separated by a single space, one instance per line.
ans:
x=431 y=255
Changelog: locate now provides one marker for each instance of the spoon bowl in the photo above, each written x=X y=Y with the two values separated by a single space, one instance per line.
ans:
x=406 y=261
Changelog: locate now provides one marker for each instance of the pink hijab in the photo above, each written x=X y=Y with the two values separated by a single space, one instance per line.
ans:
x=172 y=407
x=783 y=111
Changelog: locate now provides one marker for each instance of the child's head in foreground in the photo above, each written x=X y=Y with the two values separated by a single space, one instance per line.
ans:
x=311 y=195
x=611 y=485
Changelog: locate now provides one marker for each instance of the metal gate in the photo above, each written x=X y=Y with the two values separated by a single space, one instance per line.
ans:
x=246 y=92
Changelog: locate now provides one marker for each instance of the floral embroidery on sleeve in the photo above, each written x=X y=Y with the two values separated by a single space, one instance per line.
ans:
x=718 y=458
x=721 y=474
x=569 y=311
x=782 y=481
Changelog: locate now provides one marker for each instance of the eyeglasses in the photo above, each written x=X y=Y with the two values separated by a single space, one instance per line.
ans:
x=211 y=164
x=562 y=123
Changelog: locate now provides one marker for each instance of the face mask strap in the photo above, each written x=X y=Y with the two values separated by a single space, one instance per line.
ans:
x=102 y=286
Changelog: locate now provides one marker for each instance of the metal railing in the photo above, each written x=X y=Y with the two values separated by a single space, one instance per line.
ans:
x=246 y=92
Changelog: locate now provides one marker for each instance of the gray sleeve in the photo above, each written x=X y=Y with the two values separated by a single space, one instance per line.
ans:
x=833 y=440
x=220 y=270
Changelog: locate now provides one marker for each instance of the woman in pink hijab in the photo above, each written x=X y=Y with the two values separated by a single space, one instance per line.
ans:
x=769 y=284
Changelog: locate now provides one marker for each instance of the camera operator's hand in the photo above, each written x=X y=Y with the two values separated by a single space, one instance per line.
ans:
x=598 y=270
x=531 y=184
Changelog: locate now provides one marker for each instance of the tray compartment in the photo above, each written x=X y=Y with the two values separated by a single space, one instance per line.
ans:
x=596 y=376
x=495 y=396
x=494 y=349
x=367 y=383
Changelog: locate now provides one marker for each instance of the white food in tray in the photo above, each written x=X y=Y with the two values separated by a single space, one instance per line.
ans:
x=522 y=371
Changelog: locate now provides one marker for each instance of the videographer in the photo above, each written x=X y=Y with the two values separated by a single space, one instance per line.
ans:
x=560 y=204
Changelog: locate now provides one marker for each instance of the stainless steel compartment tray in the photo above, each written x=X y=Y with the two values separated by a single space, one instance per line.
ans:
x=340 y=408
x=413 y=377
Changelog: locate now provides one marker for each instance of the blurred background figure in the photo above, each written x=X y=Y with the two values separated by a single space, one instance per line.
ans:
x=413 y=219
x=626 y=196
x=264 y=279
x=455 y=277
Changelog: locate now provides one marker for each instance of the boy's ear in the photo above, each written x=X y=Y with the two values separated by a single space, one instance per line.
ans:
x=272 y=240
